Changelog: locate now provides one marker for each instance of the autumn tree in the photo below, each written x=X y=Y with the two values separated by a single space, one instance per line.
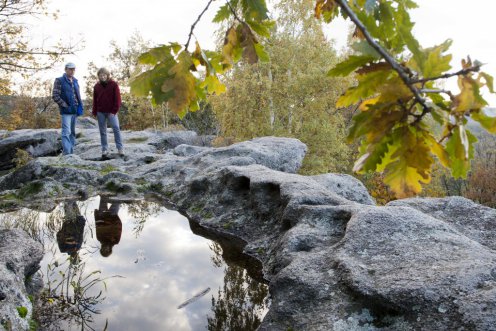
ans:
x=400 y=84
x=137 y=112
x=17 y=54
x=31 y=108
x=481 y=183
x=241 y=301
x=291 y=94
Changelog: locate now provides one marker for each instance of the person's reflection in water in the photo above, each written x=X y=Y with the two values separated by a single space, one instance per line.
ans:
x=108 y=226
x=70 y=236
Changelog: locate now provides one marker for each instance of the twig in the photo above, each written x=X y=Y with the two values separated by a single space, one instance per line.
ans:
x=426 y=90
x=196 y=22
x=233 y=11
x=448 y=75
x=452 y=97
x=389 y=59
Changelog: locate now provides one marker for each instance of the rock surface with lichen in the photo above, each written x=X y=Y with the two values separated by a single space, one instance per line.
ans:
x=332 y=258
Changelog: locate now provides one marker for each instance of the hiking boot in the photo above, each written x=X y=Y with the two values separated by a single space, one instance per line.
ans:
x=121 y=152
x=104 y=155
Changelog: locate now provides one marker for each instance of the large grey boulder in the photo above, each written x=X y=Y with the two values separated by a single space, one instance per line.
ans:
x=333 y=260
x=35 y=142
x=171 y=139
x=19 y=260
x=86 y=123
x=473 y=220
x=346 y=186
x=407 y=262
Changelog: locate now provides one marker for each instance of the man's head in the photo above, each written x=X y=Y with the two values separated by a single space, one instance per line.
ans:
x=70 y=68
x=103 y=74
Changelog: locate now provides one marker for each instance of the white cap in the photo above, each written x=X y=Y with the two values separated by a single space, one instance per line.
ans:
x=70 y=65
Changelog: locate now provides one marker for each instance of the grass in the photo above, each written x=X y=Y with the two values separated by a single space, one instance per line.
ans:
x=33 y=325
x=7 y=205
x=29 y=189
x=8 y=196
x=137 y=140
x=208 y=215
x=107 y=169
x=140 y=181
x=23 y=311
x=112 y=186
x=64 y=165
x=197 y=208
x=156 y=187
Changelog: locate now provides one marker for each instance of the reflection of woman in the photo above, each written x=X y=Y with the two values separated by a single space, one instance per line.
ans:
x=108 y=226
x=70 y=236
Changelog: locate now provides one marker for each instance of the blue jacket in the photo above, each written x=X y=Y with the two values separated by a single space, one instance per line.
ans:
x=64 y=97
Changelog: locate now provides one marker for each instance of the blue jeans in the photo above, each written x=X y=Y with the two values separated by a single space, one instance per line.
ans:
x=102 y=125
x=68 y=133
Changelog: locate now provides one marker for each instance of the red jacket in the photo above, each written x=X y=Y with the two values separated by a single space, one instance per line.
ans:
x=106 y=99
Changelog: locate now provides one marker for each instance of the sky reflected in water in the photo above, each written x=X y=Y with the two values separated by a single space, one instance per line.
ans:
x=159 y=262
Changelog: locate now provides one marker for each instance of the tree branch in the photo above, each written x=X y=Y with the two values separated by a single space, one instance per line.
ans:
x=194 y=24
x=234 y=12
x=426 y=90
x=448 y=75
x=41 y=52
x=389 y=59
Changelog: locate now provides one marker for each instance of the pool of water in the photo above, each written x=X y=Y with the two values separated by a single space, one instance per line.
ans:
x=136 y=266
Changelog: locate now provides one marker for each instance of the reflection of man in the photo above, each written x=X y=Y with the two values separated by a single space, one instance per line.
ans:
x=108 y=226
x=70 y=236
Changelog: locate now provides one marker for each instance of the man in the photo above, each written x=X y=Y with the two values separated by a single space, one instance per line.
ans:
x=106 y=104
x=66 y=95
x=70 y=236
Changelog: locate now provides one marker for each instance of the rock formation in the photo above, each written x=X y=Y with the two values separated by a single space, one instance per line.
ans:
x=332 y=258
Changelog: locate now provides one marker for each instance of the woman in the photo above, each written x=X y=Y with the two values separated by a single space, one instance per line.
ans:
x=106 y=104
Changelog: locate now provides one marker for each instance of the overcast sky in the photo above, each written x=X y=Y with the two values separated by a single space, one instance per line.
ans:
x=469 y=24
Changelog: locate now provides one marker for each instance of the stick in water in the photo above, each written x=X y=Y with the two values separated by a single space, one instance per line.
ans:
x=193 y=299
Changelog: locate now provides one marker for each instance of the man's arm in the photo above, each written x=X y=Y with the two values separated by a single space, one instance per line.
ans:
x=57 y=90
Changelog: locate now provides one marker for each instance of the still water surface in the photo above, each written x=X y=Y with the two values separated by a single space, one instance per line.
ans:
x=135 y=267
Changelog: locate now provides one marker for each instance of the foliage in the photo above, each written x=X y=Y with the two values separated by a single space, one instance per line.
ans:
x=107 y=169
x=29 y=189
x=21 y=158
x=32 y=108
x=137 y=140
x=240 y=302
x=17 y=55
x=23 y=311
x=138 y=112
x=170 y=68
x=71 y=294
x=399 y=82
x=374 y=182
x=398 y=85
x=290 y=96
x=481 y=184
x=141 y=211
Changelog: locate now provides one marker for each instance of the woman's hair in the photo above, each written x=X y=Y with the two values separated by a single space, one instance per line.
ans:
x=103 y=71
